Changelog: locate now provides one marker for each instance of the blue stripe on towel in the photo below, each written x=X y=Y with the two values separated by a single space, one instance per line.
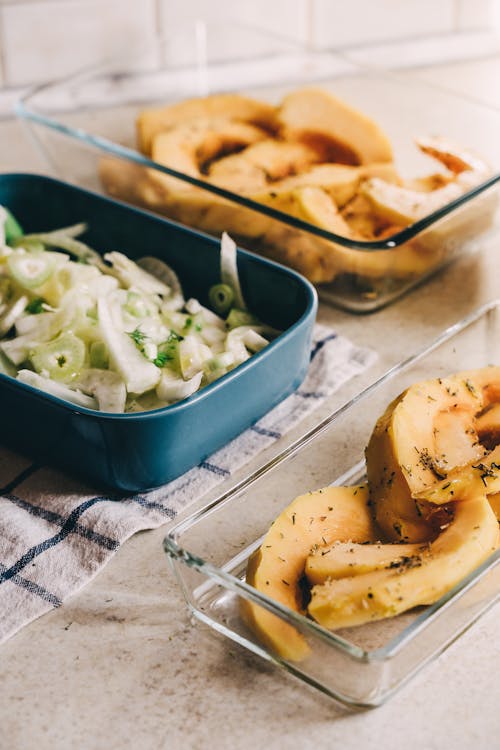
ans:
x=310 y=394
x=215 y=469
x=320 y=344
x=38 y=549
x=151 y=505
x=57 y=519
x=34 y=588
x=266 y=433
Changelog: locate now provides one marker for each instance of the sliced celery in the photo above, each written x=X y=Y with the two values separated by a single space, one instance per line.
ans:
x=238 y=318
x=221 y=297
x=11 y=227
x=61 y=359
x=99 y=355
x=29 y=269
x=117 y=335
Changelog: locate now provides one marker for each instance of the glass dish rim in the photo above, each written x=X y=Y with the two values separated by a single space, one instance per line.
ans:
x=30 y=114
x=311 y=304
x=396 y=644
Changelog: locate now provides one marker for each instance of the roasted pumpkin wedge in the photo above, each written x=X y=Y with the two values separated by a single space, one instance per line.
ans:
x=315 y=115
x=340 y=181
x=452 y=155
x=191 y=147
x=469 y=539
x=494 y=501
x=404 y=206
x=347 y=559
x=488 y=426
x=463 y=482
x=274 y=159
x=230 y=106
x=277 y=566
x=423 y=435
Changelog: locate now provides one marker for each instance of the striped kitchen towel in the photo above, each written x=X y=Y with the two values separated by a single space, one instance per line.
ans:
x=56 y=534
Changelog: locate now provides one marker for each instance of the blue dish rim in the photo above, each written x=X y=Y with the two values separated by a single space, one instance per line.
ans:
x=309 y=313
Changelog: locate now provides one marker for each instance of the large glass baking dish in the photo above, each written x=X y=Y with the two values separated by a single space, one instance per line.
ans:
x=208 y=551
x=85 y=126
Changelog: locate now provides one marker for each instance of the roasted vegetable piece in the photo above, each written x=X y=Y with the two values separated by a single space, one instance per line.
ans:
x=314 y=115
x=277 y=566
x=232 y=106
x=468 y=540
x=347 y=559
x=423 y=435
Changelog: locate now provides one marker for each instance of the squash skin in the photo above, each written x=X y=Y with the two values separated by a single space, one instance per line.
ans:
x=471 y=537
x=428 y=431
x=277 y=566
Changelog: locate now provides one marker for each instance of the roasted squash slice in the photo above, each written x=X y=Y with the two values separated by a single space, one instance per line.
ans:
x=190 y=148
x=468 y=540
x=230 y=106
x=466 y=481
x=348 y=559
x=424 y=434
x=315 y=116
x=277 y=566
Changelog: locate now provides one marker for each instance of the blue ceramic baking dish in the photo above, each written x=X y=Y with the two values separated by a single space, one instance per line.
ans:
x=139 y=451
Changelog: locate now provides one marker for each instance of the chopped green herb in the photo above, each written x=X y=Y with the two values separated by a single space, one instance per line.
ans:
x=35 y=306
x=137 y=337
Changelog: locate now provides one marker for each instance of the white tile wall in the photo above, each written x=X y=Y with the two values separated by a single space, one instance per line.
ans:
x=476 y=14
x=44 y=39
x=1 y=57
x=288 y=18
x=341 y=24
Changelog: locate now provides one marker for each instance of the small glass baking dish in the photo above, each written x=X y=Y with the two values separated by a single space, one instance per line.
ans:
x=85 y=126
x=365 y=665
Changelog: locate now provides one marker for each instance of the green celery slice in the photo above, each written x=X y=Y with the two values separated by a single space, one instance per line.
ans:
x=221 y=297
x=61 y=358
x=30 y=269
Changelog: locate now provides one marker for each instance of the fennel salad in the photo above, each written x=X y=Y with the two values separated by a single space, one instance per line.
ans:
x=110 y=334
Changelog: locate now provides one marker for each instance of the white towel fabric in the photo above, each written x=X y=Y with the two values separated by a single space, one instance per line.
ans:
x=55 y=534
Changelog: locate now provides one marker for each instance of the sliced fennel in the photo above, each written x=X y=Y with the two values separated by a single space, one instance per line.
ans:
x=106 y=386
x=56 y=389
x=229 y=270
x=110 y=334
x=138 y=373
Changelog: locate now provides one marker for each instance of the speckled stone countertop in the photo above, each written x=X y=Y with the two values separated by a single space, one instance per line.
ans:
x=122 y=664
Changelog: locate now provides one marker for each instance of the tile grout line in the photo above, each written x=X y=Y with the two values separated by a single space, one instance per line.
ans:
x=2 y=48
x=310 y=16
x=158 y=18
x=455 y=22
